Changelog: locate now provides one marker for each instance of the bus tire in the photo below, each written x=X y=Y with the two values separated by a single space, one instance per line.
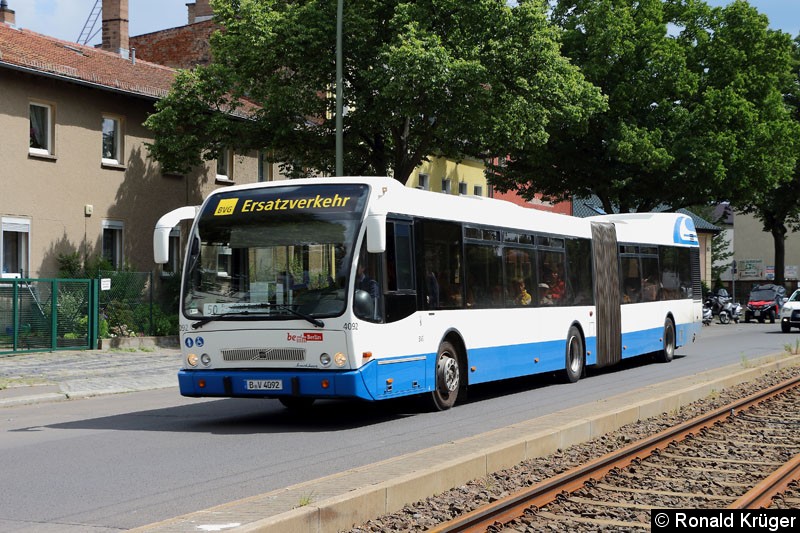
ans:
x=296 y=403
x=667 y=353
x=575 y=357
x=448 y=378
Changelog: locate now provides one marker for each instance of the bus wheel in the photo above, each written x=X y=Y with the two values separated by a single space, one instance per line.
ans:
x=296 y=403
x=448 y=378
x=668 y=352
x=575 y=356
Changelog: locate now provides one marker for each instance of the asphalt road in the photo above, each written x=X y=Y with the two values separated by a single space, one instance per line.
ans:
x=121 y=461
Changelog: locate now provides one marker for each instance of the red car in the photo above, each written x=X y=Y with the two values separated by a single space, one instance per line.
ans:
x=764 y=303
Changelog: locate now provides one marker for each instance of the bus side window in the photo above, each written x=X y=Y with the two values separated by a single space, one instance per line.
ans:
x=631 y=280
x=401 y=295
x=368 y=293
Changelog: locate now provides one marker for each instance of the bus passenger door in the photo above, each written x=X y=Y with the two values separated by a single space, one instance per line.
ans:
x=607 y=293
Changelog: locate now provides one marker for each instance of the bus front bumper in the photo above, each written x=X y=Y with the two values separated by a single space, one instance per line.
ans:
x=272 y=384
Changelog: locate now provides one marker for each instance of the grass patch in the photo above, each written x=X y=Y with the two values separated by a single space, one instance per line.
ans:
x=306 y=499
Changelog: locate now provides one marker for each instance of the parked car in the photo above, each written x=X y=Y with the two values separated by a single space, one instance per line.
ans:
x=764 y=303
x=790 y=312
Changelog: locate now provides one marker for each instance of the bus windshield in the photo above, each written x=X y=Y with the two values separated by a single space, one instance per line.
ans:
x=275 y=253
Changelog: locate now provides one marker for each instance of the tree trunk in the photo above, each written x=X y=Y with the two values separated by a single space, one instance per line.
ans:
x=779 y=239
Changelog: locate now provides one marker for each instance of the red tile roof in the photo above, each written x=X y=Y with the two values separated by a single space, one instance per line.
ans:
x=30 y=51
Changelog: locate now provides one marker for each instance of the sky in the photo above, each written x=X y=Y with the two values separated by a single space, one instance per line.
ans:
x=65 y=19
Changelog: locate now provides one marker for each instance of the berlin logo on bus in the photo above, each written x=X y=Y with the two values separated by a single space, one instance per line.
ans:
x=305 y=337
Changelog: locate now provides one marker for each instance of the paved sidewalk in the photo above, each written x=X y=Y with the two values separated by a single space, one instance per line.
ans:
x=60 y=375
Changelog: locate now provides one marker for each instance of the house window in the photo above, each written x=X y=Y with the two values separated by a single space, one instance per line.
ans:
x=264 y=167
x=173 y=266
x=225 y=165
x=477 y=190
x=15 y=245
x=112 y=242
x=41 y=130
x=112 y=141
x=446 y=185
x=424 y=184
x=462 y=188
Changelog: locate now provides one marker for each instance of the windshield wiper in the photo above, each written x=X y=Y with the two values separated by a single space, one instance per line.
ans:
x=315 y=321
x=202 y=322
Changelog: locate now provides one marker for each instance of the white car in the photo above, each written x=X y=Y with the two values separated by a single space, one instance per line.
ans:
x=790 y=312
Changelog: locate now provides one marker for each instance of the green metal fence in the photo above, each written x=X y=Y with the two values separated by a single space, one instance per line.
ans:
x=48 y=314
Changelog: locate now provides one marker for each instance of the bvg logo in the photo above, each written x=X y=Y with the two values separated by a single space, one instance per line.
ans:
x=226 y=207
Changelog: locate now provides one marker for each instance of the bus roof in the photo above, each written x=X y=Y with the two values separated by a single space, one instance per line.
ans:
x=388 y=195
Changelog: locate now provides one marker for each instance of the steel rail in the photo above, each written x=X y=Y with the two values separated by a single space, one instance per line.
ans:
x=513 y=506
x=760 y=496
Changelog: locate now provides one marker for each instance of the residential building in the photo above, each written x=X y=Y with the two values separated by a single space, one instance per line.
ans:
x=76 y=172
x=753 y=251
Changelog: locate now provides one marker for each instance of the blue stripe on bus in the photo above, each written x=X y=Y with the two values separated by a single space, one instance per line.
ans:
x=401 y=376
x=340 y=384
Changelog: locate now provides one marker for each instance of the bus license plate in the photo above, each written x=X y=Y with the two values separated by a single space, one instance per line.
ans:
x=264 y=384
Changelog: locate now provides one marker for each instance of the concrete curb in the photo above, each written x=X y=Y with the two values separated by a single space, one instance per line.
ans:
x=340 y=501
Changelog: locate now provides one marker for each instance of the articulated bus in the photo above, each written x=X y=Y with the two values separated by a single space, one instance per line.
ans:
x=364 y=288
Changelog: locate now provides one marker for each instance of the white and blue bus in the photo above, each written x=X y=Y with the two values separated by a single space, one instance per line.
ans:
x=363 y=288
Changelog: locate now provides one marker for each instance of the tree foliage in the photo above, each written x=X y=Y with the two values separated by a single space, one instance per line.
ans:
x=696 y=111
x=433 y=77
x=778 y=207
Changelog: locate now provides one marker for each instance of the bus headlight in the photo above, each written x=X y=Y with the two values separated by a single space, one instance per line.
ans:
x=325 y=359
x=205 y=359
x=340 y=359
x=191 y=359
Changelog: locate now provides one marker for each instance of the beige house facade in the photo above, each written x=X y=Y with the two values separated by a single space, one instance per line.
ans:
x=75 y=170
x=754 y=252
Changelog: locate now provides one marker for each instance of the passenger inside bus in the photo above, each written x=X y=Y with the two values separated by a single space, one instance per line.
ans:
x=365 y=282
x=521 y=295
x=632 y=289
x=367 y=297
x=553 y=288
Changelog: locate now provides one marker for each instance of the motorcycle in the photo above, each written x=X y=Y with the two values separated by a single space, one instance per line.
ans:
x=730 y=312
x=707 y=314
x=721 y=305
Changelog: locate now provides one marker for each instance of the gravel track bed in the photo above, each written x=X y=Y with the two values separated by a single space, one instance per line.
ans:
x=427 y=513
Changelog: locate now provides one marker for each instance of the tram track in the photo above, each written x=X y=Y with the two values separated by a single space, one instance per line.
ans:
x=739 y=456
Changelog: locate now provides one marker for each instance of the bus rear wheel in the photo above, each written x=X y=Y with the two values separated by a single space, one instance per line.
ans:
x=448 y=378
x=575 y=356
x=668 y=351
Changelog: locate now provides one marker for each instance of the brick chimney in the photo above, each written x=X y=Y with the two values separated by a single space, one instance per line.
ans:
x=115 y=27
x=199 y=11
x=6 y=15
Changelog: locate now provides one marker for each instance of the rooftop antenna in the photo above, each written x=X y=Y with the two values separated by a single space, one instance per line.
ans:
x=88 y=28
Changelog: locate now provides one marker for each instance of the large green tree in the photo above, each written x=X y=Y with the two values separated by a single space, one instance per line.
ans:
x=421 y=78
x=778 y=207
x=696 y=113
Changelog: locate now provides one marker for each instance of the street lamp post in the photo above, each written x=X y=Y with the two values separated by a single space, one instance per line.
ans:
x=339 y=121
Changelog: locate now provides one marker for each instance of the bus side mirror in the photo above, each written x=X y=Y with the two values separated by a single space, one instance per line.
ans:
x=376 y=234
x=164 y=227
